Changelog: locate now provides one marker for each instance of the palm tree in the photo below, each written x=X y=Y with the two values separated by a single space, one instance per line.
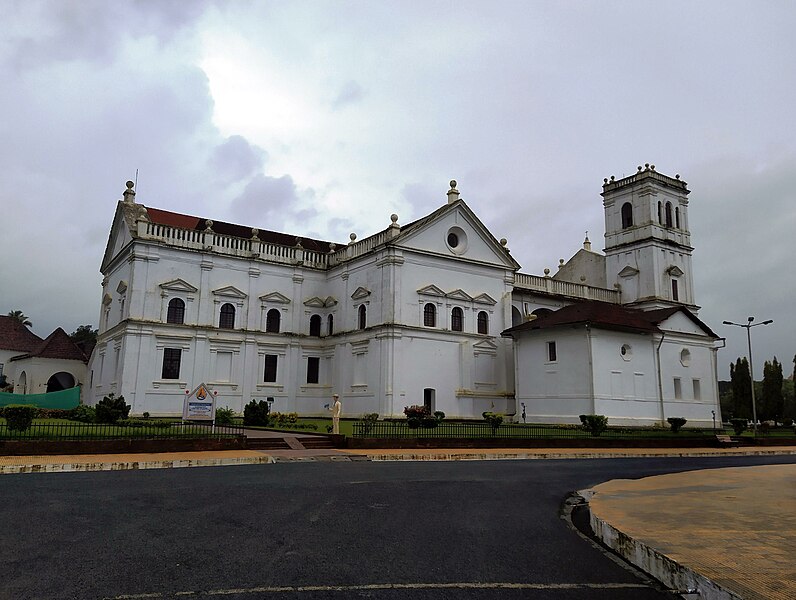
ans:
x=19 y=316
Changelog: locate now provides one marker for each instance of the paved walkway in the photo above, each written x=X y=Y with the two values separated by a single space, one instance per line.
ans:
x=732 y=527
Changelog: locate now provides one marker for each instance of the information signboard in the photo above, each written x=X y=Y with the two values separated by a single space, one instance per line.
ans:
x=200 y=405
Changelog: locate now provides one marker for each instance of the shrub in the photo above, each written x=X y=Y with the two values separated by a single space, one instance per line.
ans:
x=416 y=415
x=765 y=427
x=787 y=422
x=284 y=419
x=145 y=415
x=110 y=409
x=439 y=415
x=54 y=413
x=429 y=422
x=83 y=413
x=143 y=423
x=256 y=413
x=676 y=423
x=20 y=416
x=225 y=416
x=494 y=420
x=739 y=425
x=368 y=420
x=594 y=424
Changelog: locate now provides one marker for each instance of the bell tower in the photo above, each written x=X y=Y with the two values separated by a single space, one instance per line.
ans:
x=647 y=241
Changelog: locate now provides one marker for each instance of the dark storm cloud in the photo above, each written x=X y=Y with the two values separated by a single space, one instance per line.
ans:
x=236 y=159
x=268 y=202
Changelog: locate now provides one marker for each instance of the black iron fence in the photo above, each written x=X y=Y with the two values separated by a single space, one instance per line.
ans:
x=160 y=430
x=463 y=429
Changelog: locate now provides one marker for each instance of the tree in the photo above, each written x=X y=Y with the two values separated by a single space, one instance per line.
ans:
x=771 y=399
x=83 y=334
x=19 y=316
x=740 y=382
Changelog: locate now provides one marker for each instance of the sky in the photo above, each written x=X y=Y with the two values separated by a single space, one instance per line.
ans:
x=322 y=118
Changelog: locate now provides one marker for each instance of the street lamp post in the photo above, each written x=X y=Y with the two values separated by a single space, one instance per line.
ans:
x=748 y=326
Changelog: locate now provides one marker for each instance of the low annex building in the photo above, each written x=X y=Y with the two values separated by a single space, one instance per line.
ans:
x=410 y=315
x=32 y=365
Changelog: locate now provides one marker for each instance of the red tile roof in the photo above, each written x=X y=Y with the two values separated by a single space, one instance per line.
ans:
x=57 y=345
x=607 y=316
x=15 y=336
x=165 y=217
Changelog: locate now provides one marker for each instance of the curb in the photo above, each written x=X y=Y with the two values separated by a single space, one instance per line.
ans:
x=669 y=572
x=134 y=465
x=451 y=456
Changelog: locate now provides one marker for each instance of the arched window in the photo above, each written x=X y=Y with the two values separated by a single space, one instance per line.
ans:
x=668 y=214
x=457 y=319
x=430 y=315
x=627 y=215
x=273 y=320
x=660 y=213
x=677 y=217
x=330 y=325
x=483 y=322
x=315 y=325
x=226 y=319
x=363 y=316
x=176 y=312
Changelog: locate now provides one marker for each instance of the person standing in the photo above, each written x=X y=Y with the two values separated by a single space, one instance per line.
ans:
x=336 y=409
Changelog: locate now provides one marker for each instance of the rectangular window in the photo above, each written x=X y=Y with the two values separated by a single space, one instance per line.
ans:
x=675 y=294
x=223 y=366
x=697 y=389
x=1 y=370
x=270 y=368
x=678 y=389
x=313 y=368
x=551 y=352
x=171 y=363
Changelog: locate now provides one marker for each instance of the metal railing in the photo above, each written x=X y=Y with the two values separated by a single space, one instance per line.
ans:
x=477 y=429
x=104 y=431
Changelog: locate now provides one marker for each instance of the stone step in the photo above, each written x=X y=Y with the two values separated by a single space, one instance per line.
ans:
x=269 y=443
x=317 y=443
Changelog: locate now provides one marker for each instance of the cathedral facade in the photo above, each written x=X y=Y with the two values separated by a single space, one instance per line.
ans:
x=432 y=312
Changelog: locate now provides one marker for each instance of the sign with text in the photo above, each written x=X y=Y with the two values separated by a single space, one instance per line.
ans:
x=200 y=405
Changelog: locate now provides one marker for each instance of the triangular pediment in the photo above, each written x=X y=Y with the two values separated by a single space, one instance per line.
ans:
x=118 y=237
x=315 y=302
x=122 y=287
x=675 y=271
x=107 y=299
x=229 y=291
x=178 y=285
x=455 y=231
x=628 y=271
x=431 y=290
x=329 y=302
x=459 y=294
x=485 y=299
x=275 y=297
x=360 y=293
x=487 y=345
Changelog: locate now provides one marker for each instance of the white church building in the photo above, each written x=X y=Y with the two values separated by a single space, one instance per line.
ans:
x=432 y=312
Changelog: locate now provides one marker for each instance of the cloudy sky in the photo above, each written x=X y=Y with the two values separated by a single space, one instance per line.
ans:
x=323 y=118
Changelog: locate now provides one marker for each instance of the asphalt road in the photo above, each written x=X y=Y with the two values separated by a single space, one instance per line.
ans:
x=308 y=531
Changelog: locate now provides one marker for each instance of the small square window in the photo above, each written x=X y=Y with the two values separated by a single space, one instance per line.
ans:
x=551 y=352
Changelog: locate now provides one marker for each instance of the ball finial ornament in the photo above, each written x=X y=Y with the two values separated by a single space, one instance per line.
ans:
x=352 y=237
x=453 y=184
x=129 y=185
x=503 y=242
x=394 y=218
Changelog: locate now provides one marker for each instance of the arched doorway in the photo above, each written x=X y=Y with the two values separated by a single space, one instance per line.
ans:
x=22 y=383
x=60 y=381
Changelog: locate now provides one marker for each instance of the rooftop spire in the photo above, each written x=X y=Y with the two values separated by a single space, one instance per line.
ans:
x=453 y=193
x=129 y=193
